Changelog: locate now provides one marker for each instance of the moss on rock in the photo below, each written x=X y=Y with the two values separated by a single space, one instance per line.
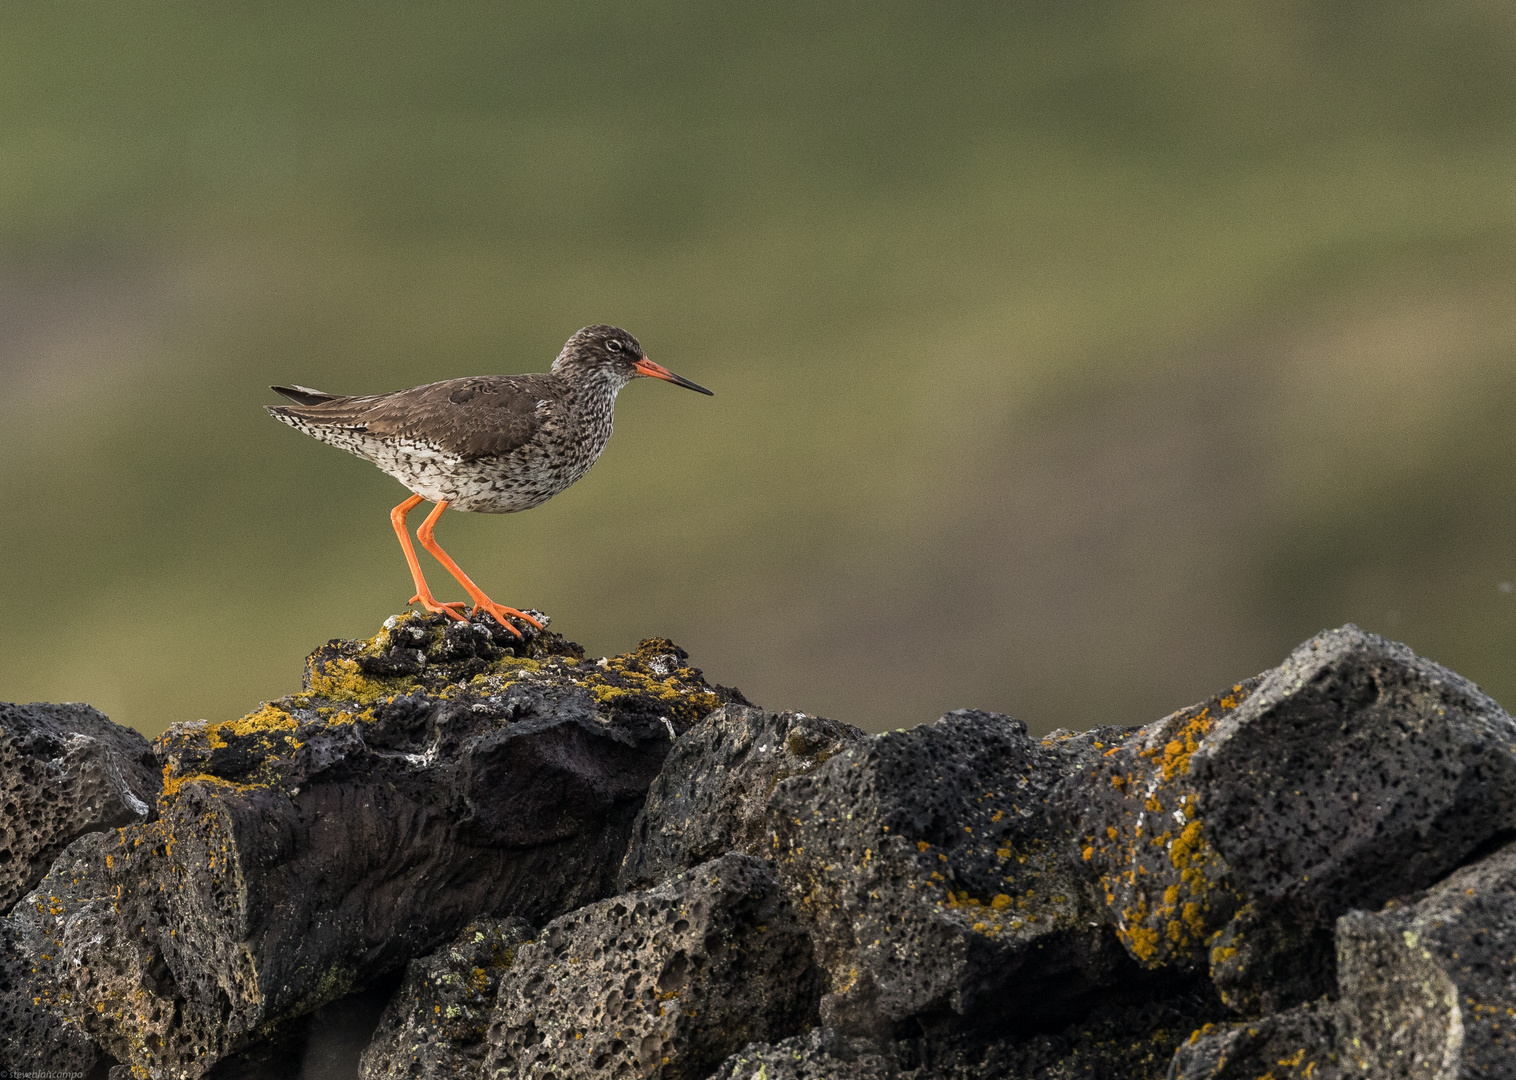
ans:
x=433 y=774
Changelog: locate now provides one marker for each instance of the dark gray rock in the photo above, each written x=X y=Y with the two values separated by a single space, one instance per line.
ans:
x=1163 y=886
x=1307 y=1042
x=664 y=983
x=65 y=770
x=325 y=1044
x=34 y=1039
x=712 y=795
x=1429 y=983
x=955 y=902
x=1270 y=958
x=943 y=893
x=1428 y=989
x=1113 y=1043
x=435 y=1025
x=329 y=837
x=813 y=1055
x=1353 y=772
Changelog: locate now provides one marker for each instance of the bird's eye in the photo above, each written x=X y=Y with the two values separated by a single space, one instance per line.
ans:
x=613 y=345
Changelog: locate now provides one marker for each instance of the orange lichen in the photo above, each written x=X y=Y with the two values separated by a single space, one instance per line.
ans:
x=1187 y=848
x=1165 y=908
x=1141 y=939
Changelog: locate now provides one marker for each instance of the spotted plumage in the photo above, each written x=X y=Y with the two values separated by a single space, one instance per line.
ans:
x=491 y=444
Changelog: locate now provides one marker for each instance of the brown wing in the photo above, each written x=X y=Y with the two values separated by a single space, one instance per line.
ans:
x=483 y=416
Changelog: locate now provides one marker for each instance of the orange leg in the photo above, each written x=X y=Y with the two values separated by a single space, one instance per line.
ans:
x=481 y=602
x=423 y=595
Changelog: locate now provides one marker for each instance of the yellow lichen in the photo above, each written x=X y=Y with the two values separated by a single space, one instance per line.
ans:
x=172 y=783
x=342 y=679
x=623 y=678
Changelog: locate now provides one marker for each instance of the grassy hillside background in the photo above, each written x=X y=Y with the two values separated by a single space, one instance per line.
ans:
x=1070 y=360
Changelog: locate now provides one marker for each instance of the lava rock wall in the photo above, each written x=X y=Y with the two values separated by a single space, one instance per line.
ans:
x=527 y=863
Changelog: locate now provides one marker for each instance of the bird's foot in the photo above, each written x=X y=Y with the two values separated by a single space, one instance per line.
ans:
x=503 y=613
x=453 y=608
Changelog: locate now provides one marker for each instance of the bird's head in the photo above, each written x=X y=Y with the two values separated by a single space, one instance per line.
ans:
x=610 y=353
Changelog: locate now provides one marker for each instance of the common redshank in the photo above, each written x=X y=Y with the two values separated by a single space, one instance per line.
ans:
x=491 y=444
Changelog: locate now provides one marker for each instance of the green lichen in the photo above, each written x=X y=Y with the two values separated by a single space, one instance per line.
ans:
x=645 y=676
x=335 y=982
x=341 y=689
x=343 y=680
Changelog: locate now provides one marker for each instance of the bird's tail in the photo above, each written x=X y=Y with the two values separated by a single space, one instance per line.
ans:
x=304 y=395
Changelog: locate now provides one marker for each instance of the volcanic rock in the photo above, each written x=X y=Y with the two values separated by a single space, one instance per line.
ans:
x=1430 y=982
x=1356 y=771
x=1307 y=1042
x=65 y=770
x=1112 y=1043
x=331 y=836
x=435 y=1025
x=1132 y=807
x=1310 y=875
x=1232 y=834
x=944 y=895
x=1428 y=989
x=661 y=983
x=712 y=795
x=34 y=1038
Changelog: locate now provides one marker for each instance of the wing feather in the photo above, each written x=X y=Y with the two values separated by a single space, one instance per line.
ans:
x=483 y=416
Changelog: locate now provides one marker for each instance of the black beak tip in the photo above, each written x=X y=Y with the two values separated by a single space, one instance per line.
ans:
x=680 y=380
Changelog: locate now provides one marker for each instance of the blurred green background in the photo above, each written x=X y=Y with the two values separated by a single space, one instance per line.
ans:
x=1071 y=359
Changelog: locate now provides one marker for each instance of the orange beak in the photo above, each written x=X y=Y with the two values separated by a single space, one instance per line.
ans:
x=658 y=371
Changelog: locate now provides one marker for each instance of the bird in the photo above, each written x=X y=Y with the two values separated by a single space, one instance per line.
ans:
x=491 y=444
